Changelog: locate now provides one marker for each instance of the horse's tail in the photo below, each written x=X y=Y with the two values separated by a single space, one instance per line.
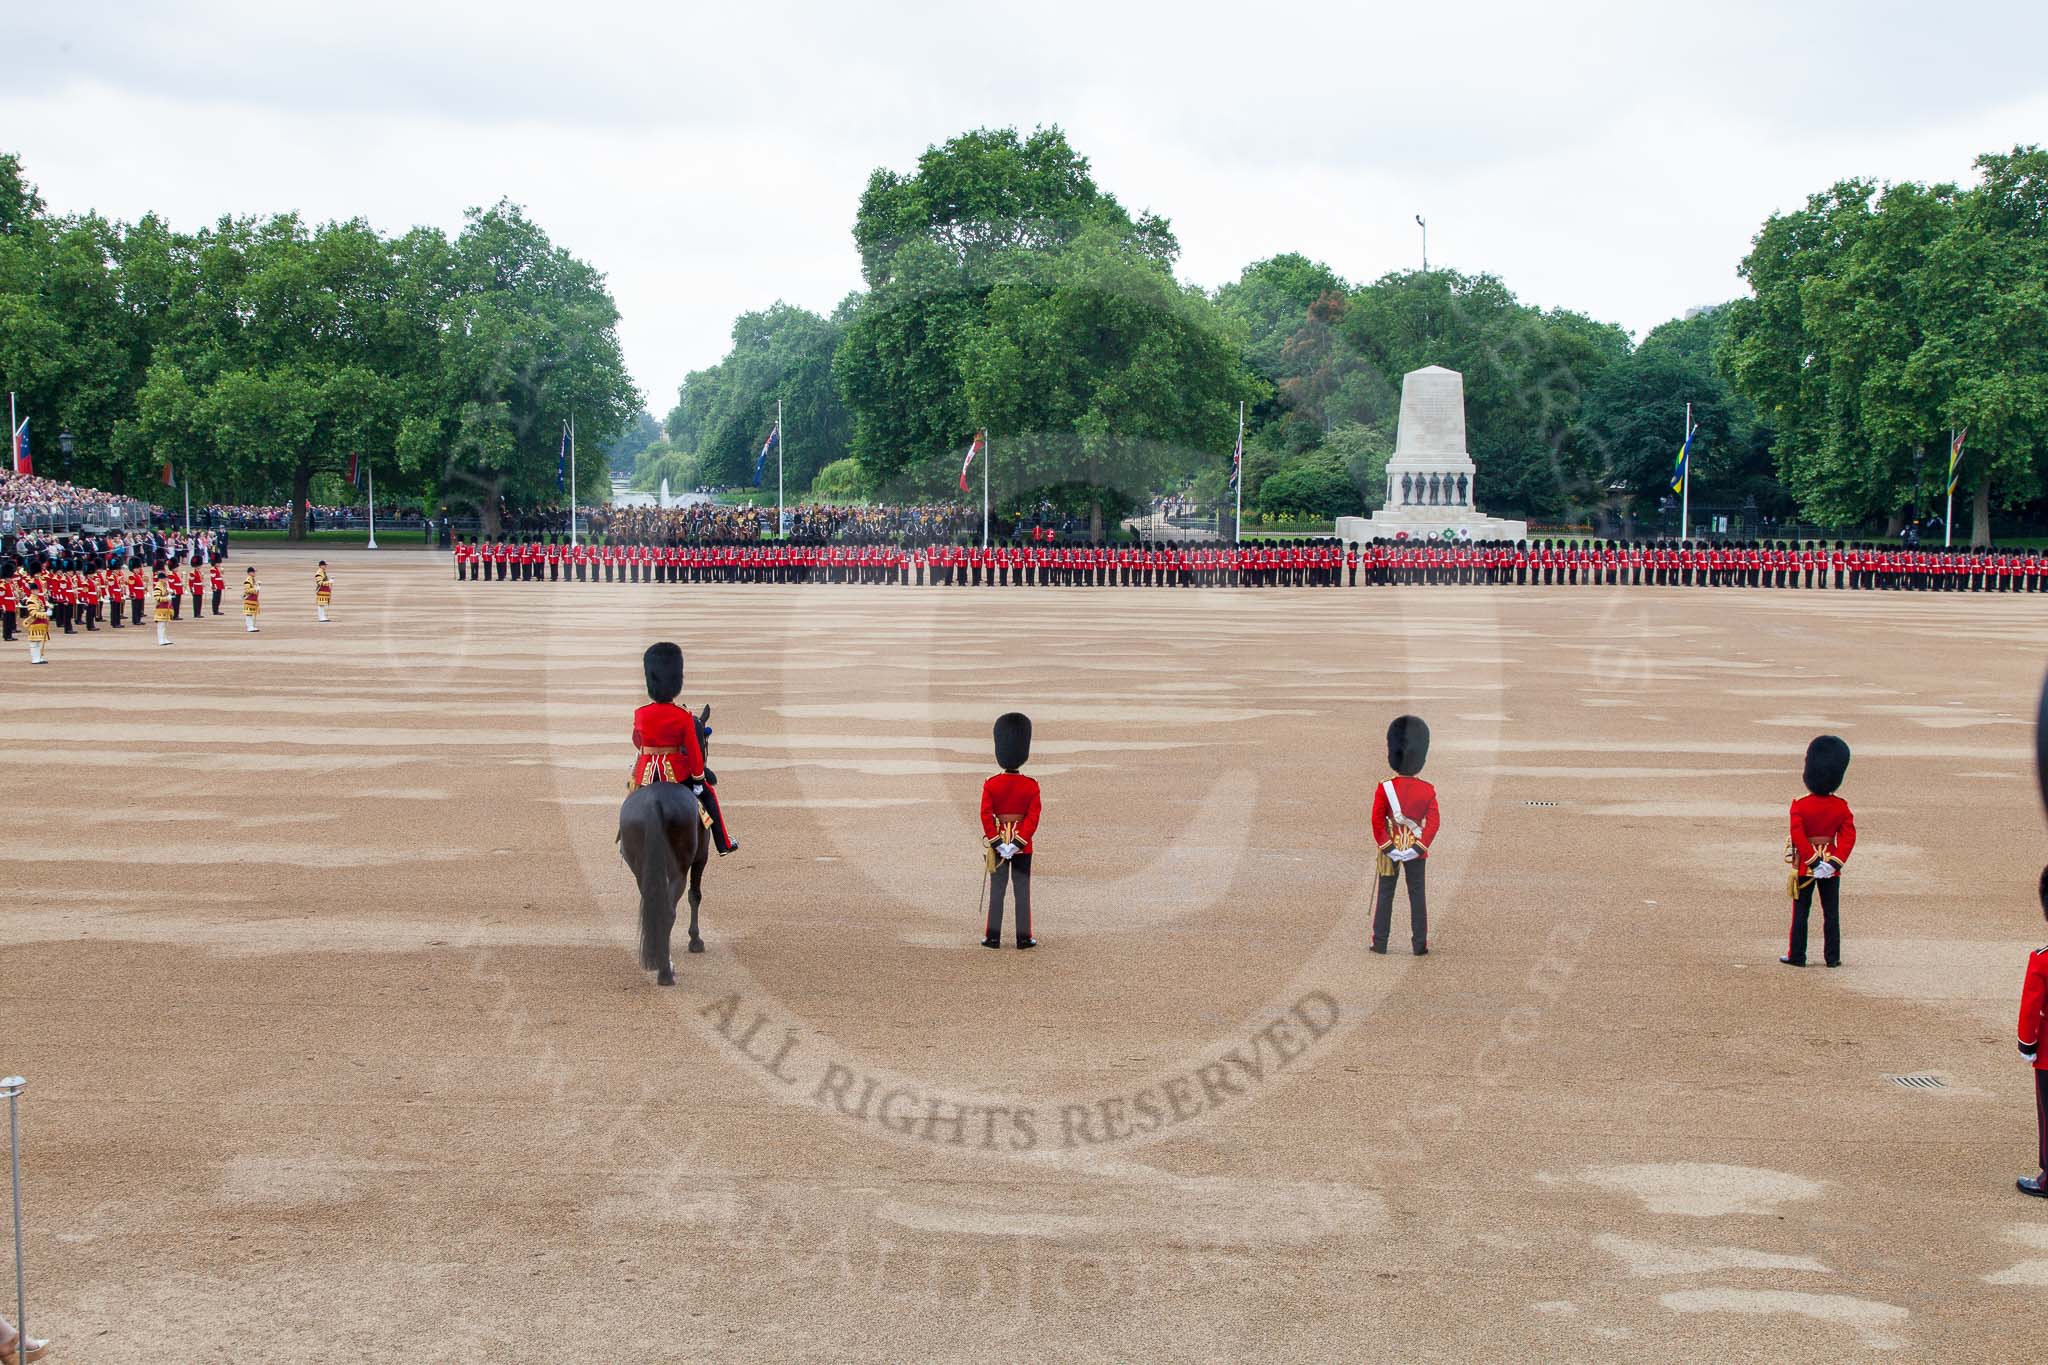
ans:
x=644 y=843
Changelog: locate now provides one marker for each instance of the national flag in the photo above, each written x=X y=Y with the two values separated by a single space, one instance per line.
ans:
x=1955 y=458
x=562 y=460
x=980 y=438
x=353 y=480
x=170 y=480
x=1680 y=468
x=22 y=463
x=767 y=449
x=1237 y=461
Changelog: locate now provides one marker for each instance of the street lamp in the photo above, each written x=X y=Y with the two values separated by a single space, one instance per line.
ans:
x=1423 y=223
x=66 y=446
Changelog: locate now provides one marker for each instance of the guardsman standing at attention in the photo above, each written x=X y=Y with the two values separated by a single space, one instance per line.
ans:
x=138 y=591
x=11 y=585
x=1404 y=824
x=251 y=606
x=323 y=589
x=1823 y=835
x=216 y=582
x=2034 y=1032
x=1009 y=825
x=195 y=585
x=36 y=616
x=164 y=595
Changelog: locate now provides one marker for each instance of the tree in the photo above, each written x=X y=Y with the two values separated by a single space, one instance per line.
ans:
x=530 y=338
x=641 y=433
x=723 y=415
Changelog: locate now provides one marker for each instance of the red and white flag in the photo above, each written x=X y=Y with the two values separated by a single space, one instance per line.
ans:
x=973 y=450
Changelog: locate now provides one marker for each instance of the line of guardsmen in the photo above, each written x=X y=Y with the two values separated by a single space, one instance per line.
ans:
x=1324 y=562
x=74 y=595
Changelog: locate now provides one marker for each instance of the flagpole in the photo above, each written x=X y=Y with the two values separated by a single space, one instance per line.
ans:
x=1685 y=490
x=188 y=507
x=1237 y=469
x=572 y=480
x=781 y=440
x=988 y=454
x=1948 y=515
x=370 y=474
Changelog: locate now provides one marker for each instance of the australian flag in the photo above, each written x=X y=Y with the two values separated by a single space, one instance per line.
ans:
x=767 y=448
x=562 y=460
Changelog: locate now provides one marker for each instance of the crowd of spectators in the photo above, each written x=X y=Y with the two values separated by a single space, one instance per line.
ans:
x=32 y=500
x=265 y=517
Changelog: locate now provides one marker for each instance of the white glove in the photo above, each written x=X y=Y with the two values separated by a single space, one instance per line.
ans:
x=2027 y=1057
x=1403 y=855
x=1006 y=850
x=1823 y=870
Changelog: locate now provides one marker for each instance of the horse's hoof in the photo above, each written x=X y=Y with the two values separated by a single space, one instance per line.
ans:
x=667 y=976
x=696 y=945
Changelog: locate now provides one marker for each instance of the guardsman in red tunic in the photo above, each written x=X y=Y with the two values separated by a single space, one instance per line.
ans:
x=1404 y=824
x=138 y=589
x=216 y=582
x=1009 y=828
x=1823 y=834
x=666 y=744
x=2033 y=1033
x=195 y=585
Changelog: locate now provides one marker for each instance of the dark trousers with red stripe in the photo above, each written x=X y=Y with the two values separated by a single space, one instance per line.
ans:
x=1418 y=904
x=1017 y=869
x=2041 y=1113
x=1830 y=919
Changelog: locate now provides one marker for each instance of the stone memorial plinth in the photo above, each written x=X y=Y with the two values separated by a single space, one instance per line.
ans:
x=1431 y=481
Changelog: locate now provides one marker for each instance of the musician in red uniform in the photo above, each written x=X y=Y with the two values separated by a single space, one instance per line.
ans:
x=1823 y=834
x=1009 y=825
x=1404 y=824
x=665 y=740
x=2033 y=1033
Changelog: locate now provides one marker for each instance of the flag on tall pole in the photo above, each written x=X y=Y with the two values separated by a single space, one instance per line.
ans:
x=1681 y=476
x=986 y=461
x=973 y=449
x=572 y=478
x=1956 y=436
x=778 y=469
x=1237 y=476
x=354 y=472
x=761 y=461
x=562 y=461
x=23 y=462
x=170 y=480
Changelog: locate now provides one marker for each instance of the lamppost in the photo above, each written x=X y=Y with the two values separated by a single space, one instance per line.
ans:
x=66 y=446
x=1919 y=458
x=1423 y=223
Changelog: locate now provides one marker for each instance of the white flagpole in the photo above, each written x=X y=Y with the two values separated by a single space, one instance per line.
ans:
x=781 y=440
x=370 y=477
x=572 y=480
x=13 y=437
x=988 y=449
x=1685 y=490
x=1237 y=468
x=1949 y=514
x=188 y=507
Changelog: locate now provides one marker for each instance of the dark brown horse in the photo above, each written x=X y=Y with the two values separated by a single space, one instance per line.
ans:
x=664 y=838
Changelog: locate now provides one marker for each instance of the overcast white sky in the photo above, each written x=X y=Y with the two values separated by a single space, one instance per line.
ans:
x=1610 y=157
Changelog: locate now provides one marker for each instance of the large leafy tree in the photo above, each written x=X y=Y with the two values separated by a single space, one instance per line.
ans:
x=529 y=340
x=723 y=414
x=1008 y=291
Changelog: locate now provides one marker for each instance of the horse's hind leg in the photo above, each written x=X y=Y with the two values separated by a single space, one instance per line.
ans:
x=697 y=893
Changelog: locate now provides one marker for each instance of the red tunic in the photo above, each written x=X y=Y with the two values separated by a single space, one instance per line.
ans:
x=1010 y=797
x=2034 y=1009
x=1418 y=803
x=1820 y=820
x=662 y=725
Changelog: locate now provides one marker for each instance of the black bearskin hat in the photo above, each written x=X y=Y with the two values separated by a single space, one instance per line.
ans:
x=1827 y=763
x=1407 y=745
x=664 y=665
x=1013 y=740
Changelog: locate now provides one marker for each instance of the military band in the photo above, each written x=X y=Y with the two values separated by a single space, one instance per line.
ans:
x=1804 y=566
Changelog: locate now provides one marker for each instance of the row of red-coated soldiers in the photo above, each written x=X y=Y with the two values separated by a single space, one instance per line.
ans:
x=77 y=598
x=1298 y=563
x=1304 y=563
